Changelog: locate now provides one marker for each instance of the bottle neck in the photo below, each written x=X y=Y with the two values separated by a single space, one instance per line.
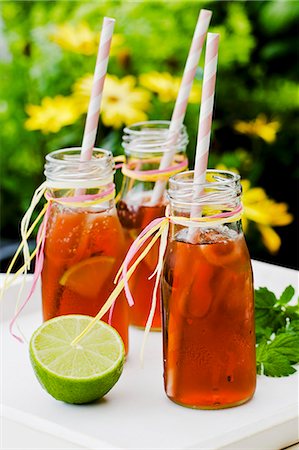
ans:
x=80 y=183
x=145 y=145
x=147 y=142
x=217 y=202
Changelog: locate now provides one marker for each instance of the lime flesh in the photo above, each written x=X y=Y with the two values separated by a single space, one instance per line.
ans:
x=79 y=373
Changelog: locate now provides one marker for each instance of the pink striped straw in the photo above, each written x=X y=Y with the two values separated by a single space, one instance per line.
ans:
x=205 y=121
x=181 y=103
x=206 y=108
x=94 y=107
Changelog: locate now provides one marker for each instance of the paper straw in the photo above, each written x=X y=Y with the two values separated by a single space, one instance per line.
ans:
x=205 y=119
x=181 y=103
x=206 y=108
x=94 y=107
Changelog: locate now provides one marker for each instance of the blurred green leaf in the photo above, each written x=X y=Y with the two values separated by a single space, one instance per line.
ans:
x=256 y=74
x=277 y=15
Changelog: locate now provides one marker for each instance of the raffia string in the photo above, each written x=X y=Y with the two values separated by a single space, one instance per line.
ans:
x=180 y=165
x=38 y=252
x=156 y=229
x=80 y=200
x=129 y=169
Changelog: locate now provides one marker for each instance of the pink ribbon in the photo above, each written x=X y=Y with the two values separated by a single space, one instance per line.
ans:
x=176 y=167
x=41 y=239
x=135 y=246
x=39 y=261
x=226 y=214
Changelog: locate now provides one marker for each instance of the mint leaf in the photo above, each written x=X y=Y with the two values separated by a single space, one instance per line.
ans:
x=264 y=298
x=277 y=332
x=272 y=315
x=274 y=364
x=287 y=344
x=286 y=296
x=292 y=312
x=294 y=326
x=264 y=313
x=262 y=332
x=275 y=358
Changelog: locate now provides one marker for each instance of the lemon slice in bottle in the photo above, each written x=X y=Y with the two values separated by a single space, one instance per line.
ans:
x=88 y=276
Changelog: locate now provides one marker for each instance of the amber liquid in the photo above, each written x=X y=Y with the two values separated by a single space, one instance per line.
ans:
x=134 y=220
x=83 y=252
x=208 y=323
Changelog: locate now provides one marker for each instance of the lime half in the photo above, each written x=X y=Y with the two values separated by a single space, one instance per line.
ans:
x=79 y=373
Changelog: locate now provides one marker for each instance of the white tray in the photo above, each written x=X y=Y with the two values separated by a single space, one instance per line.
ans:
x=136 y=414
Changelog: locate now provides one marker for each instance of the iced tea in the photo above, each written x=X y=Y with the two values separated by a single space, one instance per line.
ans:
x=208 y=320
x=134 y=219
x=83 y=252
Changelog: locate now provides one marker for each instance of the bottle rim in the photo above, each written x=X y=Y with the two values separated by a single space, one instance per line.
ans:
x=221 y=187
x=153 y=136
x=181 y=179
x=54 y=156
x=63 y=167
x=133 y=129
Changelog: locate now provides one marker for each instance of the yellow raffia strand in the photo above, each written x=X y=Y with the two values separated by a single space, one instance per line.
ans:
x=141 y=240
x=119 y=195
x=85 y=203
x=132 y=175
x=26 y=233
x=119 y=159
x=151 y=177
x=162 y=248
x=25 y=222
x=159 y=230
x=115 y=293
x=187 y=221
x=10 y=281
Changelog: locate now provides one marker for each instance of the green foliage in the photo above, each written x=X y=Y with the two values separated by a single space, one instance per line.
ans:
x=277 y=332
x=278 y=15
x=256 y=74
x=274 y=359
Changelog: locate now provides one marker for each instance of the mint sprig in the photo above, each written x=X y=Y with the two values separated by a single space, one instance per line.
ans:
x=277 y=332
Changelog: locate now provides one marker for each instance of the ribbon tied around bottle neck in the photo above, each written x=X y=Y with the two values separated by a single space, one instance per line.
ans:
x=78 y=200
x=158 y=228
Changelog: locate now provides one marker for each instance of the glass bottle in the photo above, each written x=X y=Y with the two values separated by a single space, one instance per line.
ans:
x=145 y=144
x=207 y=296
x=84 y=245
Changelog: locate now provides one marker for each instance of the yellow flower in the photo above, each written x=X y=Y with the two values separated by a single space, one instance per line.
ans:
x=167 y=86
x=222 y=166
x=76 y=38
x=81 y=39
x=266 y=213
x=259 y=127
x=122 y=102
x=52 y=114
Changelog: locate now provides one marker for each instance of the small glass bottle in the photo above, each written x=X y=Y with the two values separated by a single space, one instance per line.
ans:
x=145 y=144
x=84 y=245
x=207 y=296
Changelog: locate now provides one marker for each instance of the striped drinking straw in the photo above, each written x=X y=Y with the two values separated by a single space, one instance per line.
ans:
x=94 y=107
x=205 y=121
x=181 y=103
x=206 y=108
